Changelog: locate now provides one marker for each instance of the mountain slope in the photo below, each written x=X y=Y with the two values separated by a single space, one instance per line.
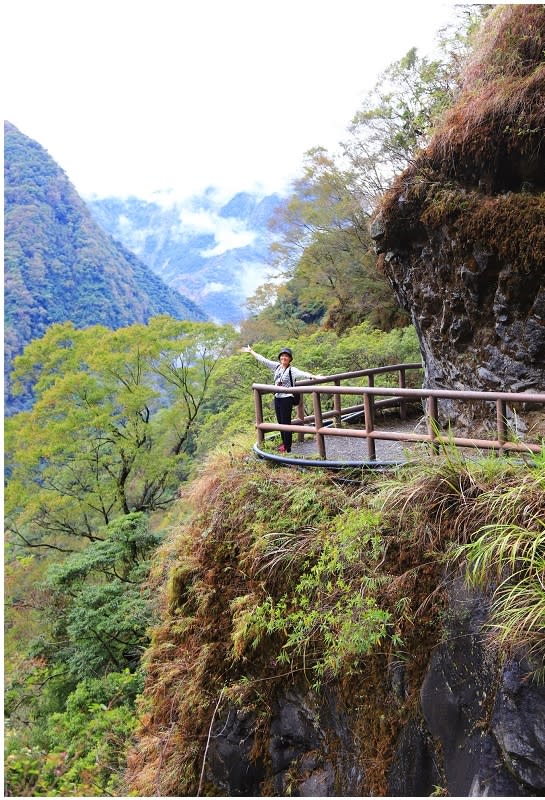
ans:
x=216 y=254
x=59 y=264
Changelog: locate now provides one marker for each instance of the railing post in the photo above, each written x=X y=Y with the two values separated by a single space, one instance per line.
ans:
x=318 y=422
x=301 y=415
x=337 y=405
x=433 y=422
x=371 y=409
x=259 y=415
x=369 y=426
x=501 y=424
x=402 y=402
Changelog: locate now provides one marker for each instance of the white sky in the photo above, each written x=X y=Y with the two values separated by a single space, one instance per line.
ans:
x=137 y=96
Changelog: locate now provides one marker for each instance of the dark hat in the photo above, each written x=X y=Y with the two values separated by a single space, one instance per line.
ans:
x=287 y=351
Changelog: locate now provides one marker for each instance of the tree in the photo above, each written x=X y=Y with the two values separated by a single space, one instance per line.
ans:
x=111 y=427
x=397 y=117
x=326 y=256
x=105 y=446
x=104 y=609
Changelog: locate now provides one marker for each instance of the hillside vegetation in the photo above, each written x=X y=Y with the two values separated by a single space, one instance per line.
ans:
x=59 y=265
x=281 y=581
x=184 y=619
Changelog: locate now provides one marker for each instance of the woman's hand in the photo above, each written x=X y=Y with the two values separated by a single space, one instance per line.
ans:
x=245 y=349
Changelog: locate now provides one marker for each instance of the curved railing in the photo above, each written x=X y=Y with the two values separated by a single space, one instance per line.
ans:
x=315 y=424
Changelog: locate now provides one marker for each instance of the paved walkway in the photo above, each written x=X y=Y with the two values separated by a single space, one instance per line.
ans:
x=345 y=448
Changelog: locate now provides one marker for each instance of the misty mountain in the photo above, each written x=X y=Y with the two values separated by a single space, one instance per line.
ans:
x=215 y=253
x=60 y=265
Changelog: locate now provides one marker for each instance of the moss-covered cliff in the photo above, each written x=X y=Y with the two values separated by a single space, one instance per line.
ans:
x=315 y=642
x=462 y=232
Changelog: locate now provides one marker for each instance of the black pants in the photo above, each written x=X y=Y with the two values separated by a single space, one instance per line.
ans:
x=283 y=407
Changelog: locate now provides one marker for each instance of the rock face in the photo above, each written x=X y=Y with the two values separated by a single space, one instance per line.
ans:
x=311 y=751
x=461 y=236
x=479 y=730
x=475 y=710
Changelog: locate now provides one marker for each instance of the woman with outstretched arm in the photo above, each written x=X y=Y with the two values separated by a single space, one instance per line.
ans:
x=285 y=376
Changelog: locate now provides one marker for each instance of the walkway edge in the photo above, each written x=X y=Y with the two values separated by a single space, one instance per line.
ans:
x=319 y=463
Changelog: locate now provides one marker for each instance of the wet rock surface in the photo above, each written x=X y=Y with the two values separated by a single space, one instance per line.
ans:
x=479 y=730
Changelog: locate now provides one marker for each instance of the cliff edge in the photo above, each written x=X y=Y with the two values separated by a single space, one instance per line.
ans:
x=461 y=234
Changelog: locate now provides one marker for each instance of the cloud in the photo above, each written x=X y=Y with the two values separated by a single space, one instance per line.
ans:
x=229 y=237
x=251 y=275
x=214 y=287
x=228 y=232
x=131 y=96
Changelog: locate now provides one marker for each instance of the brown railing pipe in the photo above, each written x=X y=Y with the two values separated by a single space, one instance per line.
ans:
x=258 y=403
x=392 y=391
x=402 y=403
x=391 y=395
x=369 y=424
x=337 y=405
x=501 y=423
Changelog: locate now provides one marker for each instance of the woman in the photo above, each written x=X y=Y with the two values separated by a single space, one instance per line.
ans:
x=285 y=376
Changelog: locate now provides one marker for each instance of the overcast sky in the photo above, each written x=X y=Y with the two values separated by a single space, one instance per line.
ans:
x=134 y=97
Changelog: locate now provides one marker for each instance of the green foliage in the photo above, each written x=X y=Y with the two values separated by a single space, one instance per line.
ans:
x=94 y=618
x=324 y=248
x=324 y=257
x=506 y=556
x=112 y=426
x=332 y=618
x=59 y=265
x=71 y=702
x=103 y=627
x=81 y=750
x=108 y=438
x=398 y=116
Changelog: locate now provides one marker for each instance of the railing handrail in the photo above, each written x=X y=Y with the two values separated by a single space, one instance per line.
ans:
x=314 y=424
x=359 y=373
x=451 y=394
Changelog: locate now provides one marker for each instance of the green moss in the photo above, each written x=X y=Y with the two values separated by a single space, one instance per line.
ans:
x=287 y=578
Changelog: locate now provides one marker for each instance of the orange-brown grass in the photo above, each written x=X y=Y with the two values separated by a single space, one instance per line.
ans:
x=502 y=92
x=491 y=140
x=253 y=533
x=233 y=550
x=213 y=562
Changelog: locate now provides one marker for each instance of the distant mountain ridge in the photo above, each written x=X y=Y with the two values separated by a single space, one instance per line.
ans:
x=60 y=265
x=216 y=253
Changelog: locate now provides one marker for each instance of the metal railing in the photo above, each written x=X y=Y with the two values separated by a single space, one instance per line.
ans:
x=400 y=397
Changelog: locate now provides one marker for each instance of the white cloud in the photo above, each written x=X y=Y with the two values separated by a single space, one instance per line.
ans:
x=228 y=232
x=214 y=287
x=252 y=275
x=227 y=238
x=131 y=97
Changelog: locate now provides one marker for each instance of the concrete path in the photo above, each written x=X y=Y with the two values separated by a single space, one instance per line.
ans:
x=344 y=448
